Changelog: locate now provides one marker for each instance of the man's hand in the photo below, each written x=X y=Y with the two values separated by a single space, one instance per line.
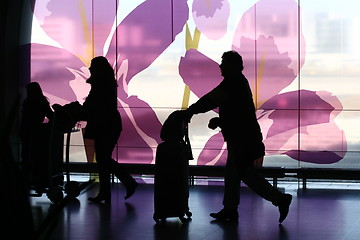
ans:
x=214 y=123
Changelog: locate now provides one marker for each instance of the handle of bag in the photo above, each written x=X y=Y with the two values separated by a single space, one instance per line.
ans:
x=187 y=143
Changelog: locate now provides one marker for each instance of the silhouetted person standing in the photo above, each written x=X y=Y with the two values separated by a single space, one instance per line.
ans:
x=240 y=129
x=34 y=110
x=104 y=126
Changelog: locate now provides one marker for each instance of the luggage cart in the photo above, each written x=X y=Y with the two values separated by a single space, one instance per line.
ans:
x=46 y=164
x=51 y=167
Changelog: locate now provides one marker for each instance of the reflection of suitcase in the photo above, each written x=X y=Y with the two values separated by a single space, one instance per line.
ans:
x=171 y=190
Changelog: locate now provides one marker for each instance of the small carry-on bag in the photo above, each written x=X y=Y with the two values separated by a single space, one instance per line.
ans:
x=171 y=190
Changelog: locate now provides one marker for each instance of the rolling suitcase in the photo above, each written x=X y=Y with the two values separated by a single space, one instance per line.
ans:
x=171 y=189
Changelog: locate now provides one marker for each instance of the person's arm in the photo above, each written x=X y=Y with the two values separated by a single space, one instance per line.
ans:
x=89 y=106
x=209 y=101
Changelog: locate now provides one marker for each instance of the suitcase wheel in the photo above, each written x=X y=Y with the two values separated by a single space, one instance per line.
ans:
x=156 y=219
x=55 y=194
x=72 y=189
x=183 y=220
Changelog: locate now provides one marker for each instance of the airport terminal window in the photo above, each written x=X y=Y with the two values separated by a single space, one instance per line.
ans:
x=302 y=59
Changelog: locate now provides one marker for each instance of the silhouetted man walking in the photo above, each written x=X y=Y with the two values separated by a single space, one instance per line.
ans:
x=240 y=129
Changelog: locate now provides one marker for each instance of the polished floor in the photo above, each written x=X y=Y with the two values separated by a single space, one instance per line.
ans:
x=322 y=213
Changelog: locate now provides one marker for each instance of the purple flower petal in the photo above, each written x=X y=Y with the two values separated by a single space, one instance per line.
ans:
x=330 y=143
x=146 y=32
x=207 y=8
x=81 y=27
x=145 y=117
x=278 y=19
x=132 y=148
x=294 y=129
x=49 y=67
x=266 y=69
x=321 y=157
x=285 y=114
x=138 y=41
x=191 y=69
x=141 y=131
x=214 y=152
x=211 y=17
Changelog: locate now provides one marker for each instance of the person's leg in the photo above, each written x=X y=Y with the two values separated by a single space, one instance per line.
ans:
x=111 y=166
x=263 y=188
x=102 y=155
x=256 y=182
x=232 y=190
x=125 y=178
x=232 y=183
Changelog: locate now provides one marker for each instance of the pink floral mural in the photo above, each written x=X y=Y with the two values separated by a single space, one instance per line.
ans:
x=269 y=38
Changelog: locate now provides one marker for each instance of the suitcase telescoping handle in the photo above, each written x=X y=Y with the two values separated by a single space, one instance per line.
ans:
x=187 y=143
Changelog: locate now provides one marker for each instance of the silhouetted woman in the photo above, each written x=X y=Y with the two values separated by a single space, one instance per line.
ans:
x=104 y=126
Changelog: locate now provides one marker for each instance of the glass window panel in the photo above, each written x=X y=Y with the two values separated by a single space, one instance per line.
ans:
x=350 y=161
x=301 y=63
x=348 y=122
x=333 y=53
x=77 y=154
x=273 y=159
x=103 y=21
x=138 y=155
x=282 y=133
x=319 y=132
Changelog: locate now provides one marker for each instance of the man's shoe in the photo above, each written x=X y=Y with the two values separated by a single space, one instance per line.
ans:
x=284 y=206
x=223 y=215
